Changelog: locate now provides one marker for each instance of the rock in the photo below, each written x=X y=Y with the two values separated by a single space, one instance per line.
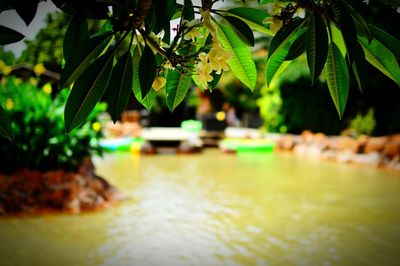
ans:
x=345 y=156
x=287 y=142
x=329 y=155
x=344 y=143
x=307 y=136
x=394 y=164
x=55 y=190
x=301 y=149
x=375 y=144
x=391 y=149
x=370 y=159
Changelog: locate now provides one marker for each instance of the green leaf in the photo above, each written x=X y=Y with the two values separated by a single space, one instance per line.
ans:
x=242 y=30
x=360 y=23
x=359 y=67
x=147 y=70
x=348 y=30
x=5 y=125
x=297 y=48
x=26 y=9
x=337 y=77
x=8 y=35
x=338 y=39
x=241 y=62
x=394 y=3
x=381 y=58
x=177 y=87
x=252 y=17
x=316 y=45
x=188 y=11
x=76 y=36
x=283 y=36
x=216 y=77
x=263 y=2
x=275 y=62
x=149 y=99
x=87 y=91
x=387 y=40
x=120 y=86
x=83 y=57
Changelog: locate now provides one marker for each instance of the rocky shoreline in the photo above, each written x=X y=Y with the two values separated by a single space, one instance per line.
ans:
x=381 y=152
x=30 y=192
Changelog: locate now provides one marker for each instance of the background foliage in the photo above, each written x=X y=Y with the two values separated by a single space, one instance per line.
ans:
x=40 y=142
x=134 y=50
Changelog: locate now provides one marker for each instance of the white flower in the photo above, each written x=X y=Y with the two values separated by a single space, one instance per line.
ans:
x=273 y=8
x=218 y=58
x=192 y=34
x=276 y=23
x=203 y=70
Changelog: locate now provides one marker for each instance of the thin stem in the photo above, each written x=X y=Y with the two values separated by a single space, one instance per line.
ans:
x=141 y=12
x=152 y=43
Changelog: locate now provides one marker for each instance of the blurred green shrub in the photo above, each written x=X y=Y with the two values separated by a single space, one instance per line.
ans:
x=363 y=124
x=40 y=140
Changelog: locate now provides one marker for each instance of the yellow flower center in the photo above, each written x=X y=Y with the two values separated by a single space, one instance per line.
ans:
x=39 y=69
x=9 y=104
x=96 y=126
x=47 y=88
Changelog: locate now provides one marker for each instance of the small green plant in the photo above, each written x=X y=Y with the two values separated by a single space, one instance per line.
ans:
x=363 y=124
x=40 y=141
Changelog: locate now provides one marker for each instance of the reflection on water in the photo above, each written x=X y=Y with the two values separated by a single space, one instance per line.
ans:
x=218 y=209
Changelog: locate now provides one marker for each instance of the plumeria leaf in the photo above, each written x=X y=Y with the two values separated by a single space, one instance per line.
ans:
x=348 y=30
x=242 y=30
x=283 y=36
x=26 y=9
x=387 y=40
x=359 y=66
x=252 y=17
x=394 y=3
x=120 y=86
x=381 y=58
x=8 y=35
x=361 y=25
x=216 y=77
x=83 y=57
x=241 y=62
x=188 y=11
x=5 y=125
x=275 y=62
x=76 y=36
x=263 y=2
x=337 y=78
x=297 y=48
x=177 y=87
x=87 y=91
x=316 y=45
x=147 y=70
x=150 y=98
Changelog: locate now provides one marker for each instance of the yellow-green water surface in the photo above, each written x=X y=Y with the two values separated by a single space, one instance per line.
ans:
x=219 y=209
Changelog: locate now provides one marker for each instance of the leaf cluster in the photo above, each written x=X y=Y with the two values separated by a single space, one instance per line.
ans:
x=134 y=49
x=39 y=139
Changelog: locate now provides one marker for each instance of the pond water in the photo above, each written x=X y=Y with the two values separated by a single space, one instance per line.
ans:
x=220 y=209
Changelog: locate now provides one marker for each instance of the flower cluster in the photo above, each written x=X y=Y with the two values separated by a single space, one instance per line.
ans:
x=215 y=60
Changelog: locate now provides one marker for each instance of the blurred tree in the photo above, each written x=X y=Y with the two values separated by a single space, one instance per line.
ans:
x=7 y=57
x=46 y=47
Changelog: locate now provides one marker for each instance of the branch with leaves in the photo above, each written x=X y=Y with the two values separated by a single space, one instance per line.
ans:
x=205 y=43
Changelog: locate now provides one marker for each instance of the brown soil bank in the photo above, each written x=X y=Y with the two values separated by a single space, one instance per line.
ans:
x=29 y=191
x=373 y=151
